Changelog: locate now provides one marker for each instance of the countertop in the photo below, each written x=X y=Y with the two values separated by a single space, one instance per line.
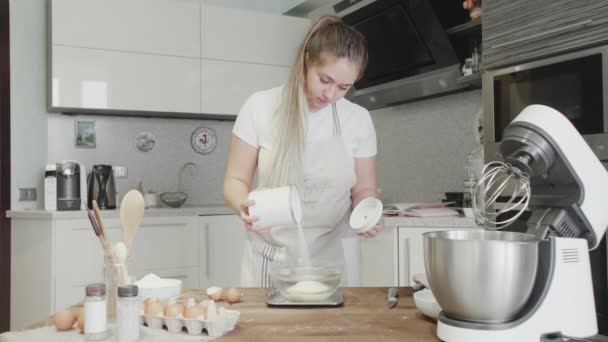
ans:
x=220 y=209
x=363 y=317
x=203 y=210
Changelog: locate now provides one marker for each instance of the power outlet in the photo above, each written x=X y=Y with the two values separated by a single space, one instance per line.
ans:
x=120 y=171
x=27 y=194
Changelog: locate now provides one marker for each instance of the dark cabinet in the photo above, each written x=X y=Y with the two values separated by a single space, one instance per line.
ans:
x=516 y=31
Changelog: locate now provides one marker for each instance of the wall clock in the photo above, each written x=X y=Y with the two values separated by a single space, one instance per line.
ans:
x=203 y=140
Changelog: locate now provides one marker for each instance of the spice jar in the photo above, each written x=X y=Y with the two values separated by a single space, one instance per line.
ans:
x=127 y=314
x=95 y=313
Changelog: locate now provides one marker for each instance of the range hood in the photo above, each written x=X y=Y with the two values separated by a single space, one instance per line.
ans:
x=410 y=55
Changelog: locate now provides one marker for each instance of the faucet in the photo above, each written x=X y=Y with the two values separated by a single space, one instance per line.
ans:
x=181 y=173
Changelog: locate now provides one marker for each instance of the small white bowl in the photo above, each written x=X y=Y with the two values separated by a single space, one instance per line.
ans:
x=170 y=288
x=366 y=214
x=426 y=303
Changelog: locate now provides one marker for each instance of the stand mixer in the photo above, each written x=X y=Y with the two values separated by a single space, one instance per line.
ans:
x=564 y=185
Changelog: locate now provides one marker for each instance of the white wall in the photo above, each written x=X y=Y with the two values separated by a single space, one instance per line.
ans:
x=28 y=97
x=422 y=146
x=157 y=169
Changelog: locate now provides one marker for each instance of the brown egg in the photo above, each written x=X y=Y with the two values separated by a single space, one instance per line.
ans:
x=194 y=312
x=172 y=310
x=203 y=305
x=233 y=295
x=80 y=320
x=64 y=319
x=214 y=293
x=154 y=308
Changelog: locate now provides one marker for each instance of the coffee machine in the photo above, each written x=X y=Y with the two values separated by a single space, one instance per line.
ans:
x=71 y=185
x=101 y=187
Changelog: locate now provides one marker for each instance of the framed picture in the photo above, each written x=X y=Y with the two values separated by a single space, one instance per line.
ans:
x=85 y=134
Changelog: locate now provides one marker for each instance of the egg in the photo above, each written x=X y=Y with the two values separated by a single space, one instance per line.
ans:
x=173 y=310
x=64 y=319
x=194 y=312
x=203 y=305
x=214 y=293
x=154 y=308
x=80 y=320
x=233 y=295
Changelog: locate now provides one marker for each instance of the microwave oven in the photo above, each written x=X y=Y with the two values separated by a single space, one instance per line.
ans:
x=575 y=84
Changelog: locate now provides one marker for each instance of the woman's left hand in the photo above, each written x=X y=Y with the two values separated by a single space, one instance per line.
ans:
x=373 y=232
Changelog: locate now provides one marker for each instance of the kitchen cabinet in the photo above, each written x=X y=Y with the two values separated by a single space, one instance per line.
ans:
x=172 y=58
x=231 y=34
x=123 y=81
x=515 y=31
x=379 y=259
x=222 y=241
x=161 y=27
x=226 y=84
x=52 y=260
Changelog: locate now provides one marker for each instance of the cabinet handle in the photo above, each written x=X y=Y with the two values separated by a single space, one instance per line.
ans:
x=207 y=246
x=180 y=276
x=405 y=261
x=545 y=33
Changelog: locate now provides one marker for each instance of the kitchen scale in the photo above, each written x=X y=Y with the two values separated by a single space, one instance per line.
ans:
x=276 y=299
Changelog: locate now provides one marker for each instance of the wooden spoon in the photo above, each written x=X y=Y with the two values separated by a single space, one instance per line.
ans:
x=131 y=214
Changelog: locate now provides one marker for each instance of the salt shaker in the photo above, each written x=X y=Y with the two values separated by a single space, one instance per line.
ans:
x=127 y=314
x=95 y=313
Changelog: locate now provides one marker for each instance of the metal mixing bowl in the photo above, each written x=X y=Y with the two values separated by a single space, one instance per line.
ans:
x=481 y=276
x=299 y=283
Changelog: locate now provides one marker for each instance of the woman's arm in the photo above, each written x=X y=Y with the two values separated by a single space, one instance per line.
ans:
x=365 y=169
x=242 y=162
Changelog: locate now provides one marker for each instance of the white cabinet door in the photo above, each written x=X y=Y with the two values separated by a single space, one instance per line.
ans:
x=249 y=36
x=166 y=27
x=78 y=258
x=101 y=79
x=379 y=259
x=222 y=243
x=226 y=85
x=168 y=246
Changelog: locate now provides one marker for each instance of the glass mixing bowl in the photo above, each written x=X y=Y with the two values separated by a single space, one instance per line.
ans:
x=300 y=283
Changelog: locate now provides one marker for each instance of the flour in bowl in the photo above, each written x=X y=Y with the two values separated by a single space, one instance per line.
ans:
x=308 y=290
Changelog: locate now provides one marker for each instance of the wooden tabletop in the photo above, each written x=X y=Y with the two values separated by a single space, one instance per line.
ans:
x=363 y=317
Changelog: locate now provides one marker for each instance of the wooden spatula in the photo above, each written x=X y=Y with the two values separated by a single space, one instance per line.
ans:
x=131 y=214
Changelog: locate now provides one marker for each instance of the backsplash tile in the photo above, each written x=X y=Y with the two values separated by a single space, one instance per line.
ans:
x=159 y=168
x=422 y=146
x=422 y=149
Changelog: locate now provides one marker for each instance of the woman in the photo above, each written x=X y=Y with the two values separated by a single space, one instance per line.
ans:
x=306 y=134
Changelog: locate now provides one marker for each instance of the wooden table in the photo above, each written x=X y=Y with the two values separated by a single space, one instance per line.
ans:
x=364 y=317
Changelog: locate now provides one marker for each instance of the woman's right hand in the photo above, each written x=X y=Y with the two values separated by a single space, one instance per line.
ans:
x=250 y=220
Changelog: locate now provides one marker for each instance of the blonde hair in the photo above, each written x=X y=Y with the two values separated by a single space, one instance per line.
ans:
x=328 y=35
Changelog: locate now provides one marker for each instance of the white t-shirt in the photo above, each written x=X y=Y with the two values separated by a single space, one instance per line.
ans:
x=253 y=124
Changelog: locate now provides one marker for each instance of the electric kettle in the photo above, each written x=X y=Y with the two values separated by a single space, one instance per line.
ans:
x=101 y=187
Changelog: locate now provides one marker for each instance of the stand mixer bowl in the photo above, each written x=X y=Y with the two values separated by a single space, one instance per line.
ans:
x=481 y=276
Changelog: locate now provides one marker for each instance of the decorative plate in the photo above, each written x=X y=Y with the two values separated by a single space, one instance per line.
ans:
x=203 y=140
x=145 y=141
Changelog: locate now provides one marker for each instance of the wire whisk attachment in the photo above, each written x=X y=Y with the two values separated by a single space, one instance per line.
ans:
x=500 y=180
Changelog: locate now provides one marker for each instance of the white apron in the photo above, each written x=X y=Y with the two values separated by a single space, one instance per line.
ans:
x=329 y=175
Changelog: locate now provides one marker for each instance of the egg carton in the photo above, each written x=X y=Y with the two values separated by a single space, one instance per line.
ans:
x=219 y=325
